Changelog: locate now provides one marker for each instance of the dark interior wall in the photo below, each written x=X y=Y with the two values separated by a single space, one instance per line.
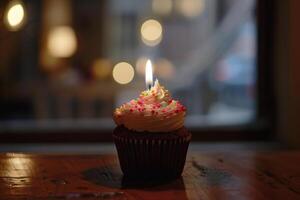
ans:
x=287 y=71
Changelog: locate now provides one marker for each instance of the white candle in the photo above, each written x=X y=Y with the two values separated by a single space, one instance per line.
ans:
x=149 y=75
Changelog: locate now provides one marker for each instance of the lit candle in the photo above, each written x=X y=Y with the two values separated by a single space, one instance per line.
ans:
x=149 y=75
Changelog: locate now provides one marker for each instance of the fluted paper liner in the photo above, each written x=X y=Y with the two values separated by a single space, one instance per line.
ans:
x=150 y=155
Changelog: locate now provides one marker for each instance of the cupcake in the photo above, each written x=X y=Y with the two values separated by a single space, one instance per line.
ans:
x=150 y=136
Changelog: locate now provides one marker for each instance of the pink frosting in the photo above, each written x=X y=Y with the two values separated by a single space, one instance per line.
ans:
x=153 y=111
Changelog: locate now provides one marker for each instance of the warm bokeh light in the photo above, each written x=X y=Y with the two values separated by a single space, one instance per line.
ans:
x=151 y=32
x=15 y=15
x=165 y=69
x=190 y=8
x=123 y=73
x=162 y=7
x=62 y=42
x=101 y=68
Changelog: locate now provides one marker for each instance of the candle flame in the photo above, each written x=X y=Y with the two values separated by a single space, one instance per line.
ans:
x=149 y=74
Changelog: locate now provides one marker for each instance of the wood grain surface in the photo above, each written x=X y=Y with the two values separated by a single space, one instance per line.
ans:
x=231 y=175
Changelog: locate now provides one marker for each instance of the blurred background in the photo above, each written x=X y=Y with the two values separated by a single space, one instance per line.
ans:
x=69 y=63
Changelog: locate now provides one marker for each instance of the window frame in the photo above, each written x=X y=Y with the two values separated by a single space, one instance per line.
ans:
x=262 y=129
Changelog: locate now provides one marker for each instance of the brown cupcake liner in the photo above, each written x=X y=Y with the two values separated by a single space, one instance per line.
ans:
x=146 y=157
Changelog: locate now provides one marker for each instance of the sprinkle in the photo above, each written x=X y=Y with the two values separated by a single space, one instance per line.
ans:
x=131 y=110
x=140 y=102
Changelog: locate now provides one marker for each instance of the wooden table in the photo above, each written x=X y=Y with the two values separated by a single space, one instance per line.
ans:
x=232 y=175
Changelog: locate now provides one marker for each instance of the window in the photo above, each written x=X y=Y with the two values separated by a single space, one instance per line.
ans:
x=58 y=58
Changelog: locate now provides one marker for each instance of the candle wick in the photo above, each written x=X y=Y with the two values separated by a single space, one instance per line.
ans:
x=149 y=86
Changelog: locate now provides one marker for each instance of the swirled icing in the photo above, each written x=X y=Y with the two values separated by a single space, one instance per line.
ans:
x=153 y=111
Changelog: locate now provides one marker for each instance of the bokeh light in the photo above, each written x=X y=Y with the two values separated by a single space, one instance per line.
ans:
x=165 y=69
x=151 y=32
x=162 y=7
x=101 y=68
x=15 y=15
x=190 y=8
x=62 y=42
x=123 y=73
